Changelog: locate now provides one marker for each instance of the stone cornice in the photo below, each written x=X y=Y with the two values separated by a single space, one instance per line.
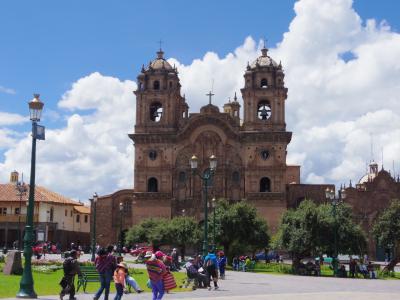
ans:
x=265 y=136
x=272 y=196
x=151 y=195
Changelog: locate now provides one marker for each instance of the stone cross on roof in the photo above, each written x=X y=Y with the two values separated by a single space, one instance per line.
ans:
x=210 y=94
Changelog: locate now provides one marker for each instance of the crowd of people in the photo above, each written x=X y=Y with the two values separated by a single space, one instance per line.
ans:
x=202 y=270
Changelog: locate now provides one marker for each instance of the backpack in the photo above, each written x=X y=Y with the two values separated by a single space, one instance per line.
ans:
x=68 y=265
x=210 y=263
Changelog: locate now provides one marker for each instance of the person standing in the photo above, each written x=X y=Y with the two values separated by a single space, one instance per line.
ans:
x=156 y=270
x=105 y=264
x=211 y=264
x=71 y=268
x=222 y=264
x=175 y=260
x=119 y=279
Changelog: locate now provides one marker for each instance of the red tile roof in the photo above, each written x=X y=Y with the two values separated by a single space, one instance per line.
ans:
x=9 y=193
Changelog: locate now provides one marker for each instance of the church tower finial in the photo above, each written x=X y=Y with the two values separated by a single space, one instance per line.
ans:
x=264 y=50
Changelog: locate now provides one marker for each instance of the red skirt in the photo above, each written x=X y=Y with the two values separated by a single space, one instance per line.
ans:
x=169 y=281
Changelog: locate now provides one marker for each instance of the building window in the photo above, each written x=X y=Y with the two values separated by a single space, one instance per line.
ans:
x=182 y=177
x=156 y=111
x=235 y=176
x=153 y=154
x=264 y=154
x=152 y=185
x=265 y=185
x=86 y=218
x=170 y=84
x=71 y=213
x=66 y=213
x=78 y=218
x=51 y=214
x=264 y=110
x=17 y=211
x=264 y=83
x=3 y=210
x=156 y=85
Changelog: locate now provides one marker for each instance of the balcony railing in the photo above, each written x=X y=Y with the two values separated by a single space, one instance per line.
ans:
x=15 y=218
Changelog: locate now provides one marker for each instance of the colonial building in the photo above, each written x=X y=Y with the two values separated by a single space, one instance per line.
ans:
x=368 y=198
x=251 y=152
x=56 y=218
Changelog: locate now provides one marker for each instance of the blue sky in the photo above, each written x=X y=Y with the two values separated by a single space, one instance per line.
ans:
x=47 y=46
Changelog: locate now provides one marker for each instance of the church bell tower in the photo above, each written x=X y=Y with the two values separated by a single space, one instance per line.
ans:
x=159 y=104
x=264 y=95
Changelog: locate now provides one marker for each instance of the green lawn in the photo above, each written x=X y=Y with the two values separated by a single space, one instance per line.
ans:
x=281 y=269
x=47 y=284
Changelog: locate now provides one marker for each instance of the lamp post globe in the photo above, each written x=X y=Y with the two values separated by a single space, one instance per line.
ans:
x=26 y=284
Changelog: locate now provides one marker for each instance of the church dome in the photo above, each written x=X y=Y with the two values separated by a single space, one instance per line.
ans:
x=373 y=172
x=209 y=109
x=263 y=61
x=160 y=63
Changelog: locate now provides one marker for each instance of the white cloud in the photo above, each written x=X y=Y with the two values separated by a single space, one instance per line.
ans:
x=93 y=152
x=12 y=119
x=7 y=90
x=332 y=108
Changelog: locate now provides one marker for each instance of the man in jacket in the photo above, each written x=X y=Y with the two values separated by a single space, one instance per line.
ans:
x=105 y=264
x=211 y=265
x=71 y=268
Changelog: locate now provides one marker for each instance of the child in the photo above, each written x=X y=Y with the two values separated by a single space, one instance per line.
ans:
x=119 y=279
x=130 y=280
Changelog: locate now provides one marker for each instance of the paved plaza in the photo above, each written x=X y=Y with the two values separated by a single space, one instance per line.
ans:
x=240 y=285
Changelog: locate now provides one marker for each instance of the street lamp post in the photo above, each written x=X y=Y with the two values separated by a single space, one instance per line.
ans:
x=335 y=201
x=213 y=208
x=21 y=189
x=94 y=204
x=121 y=211
x=206 y=179
x=26 y=284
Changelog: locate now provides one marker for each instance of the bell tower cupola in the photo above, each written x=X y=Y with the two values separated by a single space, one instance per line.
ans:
x=264 y=95
x=159 y=104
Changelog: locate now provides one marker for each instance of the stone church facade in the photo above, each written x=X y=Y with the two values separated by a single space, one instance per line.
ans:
x=251 y=152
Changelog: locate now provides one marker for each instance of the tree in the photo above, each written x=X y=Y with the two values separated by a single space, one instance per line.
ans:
x=152 y=231
x=183 y=232
x=309 y=231
x=239 y=229
x=387 y=231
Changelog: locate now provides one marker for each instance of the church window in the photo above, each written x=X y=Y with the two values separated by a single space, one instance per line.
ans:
x=182 y=177
x=152 y=185
x=264 y=83
x=156 y=85
x=264 y=110
x=153 y=154
x=235 y=176
x=265 y=185
x=264 y=154
x=156 y=111
x=51 y=214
